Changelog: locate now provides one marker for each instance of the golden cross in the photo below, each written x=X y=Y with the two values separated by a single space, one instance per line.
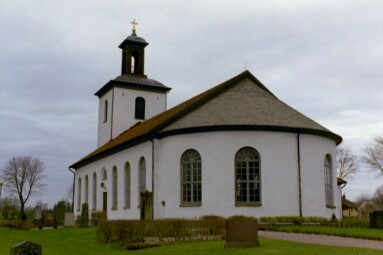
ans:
x=134 y=23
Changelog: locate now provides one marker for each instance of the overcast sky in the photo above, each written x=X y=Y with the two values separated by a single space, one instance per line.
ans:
x=323 y=58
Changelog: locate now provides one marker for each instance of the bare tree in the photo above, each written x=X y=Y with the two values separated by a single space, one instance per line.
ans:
x=346 y=163
x=362 y=198
x=378 y=197
x=23 y=176
x=374 y=155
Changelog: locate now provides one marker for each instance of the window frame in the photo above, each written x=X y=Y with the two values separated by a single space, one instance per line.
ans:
x=257 y=181
x=94 y=192
x=86 y=200
x=79 y=194
x=127 y=185
x=106 y=111
x=194 y=166
x=140 y=105
x=114 y=188
x=328 y=181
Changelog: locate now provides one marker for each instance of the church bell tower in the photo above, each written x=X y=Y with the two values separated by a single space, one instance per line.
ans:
x=133 y=53
x=130 y=98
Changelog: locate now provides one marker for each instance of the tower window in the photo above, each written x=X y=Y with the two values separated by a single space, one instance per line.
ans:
x=140 y=108
x=106 y=110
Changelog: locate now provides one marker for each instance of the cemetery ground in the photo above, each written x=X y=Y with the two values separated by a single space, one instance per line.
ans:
x=76 y=240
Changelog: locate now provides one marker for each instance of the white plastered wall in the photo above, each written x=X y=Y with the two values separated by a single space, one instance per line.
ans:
x=133 y=156
x=121 y=110
x=279 y=174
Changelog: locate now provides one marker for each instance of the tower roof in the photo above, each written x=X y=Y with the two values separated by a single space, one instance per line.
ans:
x=133 y=39
x=133 y=82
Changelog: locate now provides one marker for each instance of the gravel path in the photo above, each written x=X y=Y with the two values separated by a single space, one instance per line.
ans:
x=323 y=239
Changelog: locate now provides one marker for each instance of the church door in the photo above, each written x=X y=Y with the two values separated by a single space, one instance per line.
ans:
x=104 y=202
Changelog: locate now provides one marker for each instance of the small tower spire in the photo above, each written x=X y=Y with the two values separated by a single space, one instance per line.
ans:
x=133 y=53
x=134 y=23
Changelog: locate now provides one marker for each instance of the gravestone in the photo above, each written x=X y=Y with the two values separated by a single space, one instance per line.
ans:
x=241 y=233
x=37 y=216
x=376 y=219
x=26 y=248
x=49 y=219
x=69 y=220
x=37 y=213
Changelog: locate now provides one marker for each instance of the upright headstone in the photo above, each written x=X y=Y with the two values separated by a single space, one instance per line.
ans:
x=376 y=219
x=26 y=248
x=37 y=213
x=241 y=233
x=69 y=220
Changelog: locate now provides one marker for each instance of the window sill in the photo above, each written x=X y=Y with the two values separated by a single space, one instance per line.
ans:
x=331 y=206
x=257 y=204
x=113 y=208
x=126 y=207
x=190 y=204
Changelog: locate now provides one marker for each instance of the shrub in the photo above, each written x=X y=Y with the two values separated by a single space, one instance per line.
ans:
x=104 y=231
x=24 y=225
x=131 y=234
x=296 y=220
x=84 y=220
x=213 y=225
x=349 y=223
x=97 y=216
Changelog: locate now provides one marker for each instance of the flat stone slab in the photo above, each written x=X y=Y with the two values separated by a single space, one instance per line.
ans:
x=26 y=248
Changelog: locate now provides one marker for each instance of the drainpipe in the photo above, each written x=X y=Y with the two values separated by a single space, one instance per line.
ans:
x=74 y=187
x=299 y=174
x=153 y=193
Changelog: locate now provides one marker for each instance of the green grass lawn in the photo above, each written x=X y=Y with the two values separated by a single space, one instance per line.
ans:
x=76 y=241
x=363 y=233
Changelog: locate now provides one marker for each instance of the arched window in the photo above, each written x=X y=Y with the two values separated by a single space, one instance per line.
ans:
x=104 y=174
x=328 y=181
x=140 y=108
x=114 y=188
x=127 y=185
x=79 y=195
x=94 y=202
x=86 y=189
x=142 y=174
x=191 y=182
x=247 y=177
x=106 y=111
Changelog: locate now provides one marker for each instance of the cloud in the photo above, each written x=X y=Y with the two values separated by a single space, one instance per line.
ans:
x=322 y=58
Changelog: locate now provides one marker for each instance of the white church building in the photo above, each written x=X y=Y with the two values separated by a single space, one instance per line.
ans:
x=235 y=149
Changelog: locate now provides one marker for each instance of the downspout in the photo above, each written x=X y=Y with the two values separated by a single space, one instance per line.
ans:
x=74 y=187
x=299 y=174
x=153 y=193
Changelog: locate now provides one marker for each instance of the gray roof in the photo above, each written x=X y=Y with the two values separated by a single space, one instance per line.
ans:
x=133 y=81
x=246 y=103
x=133 y=39
x=240 y=103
